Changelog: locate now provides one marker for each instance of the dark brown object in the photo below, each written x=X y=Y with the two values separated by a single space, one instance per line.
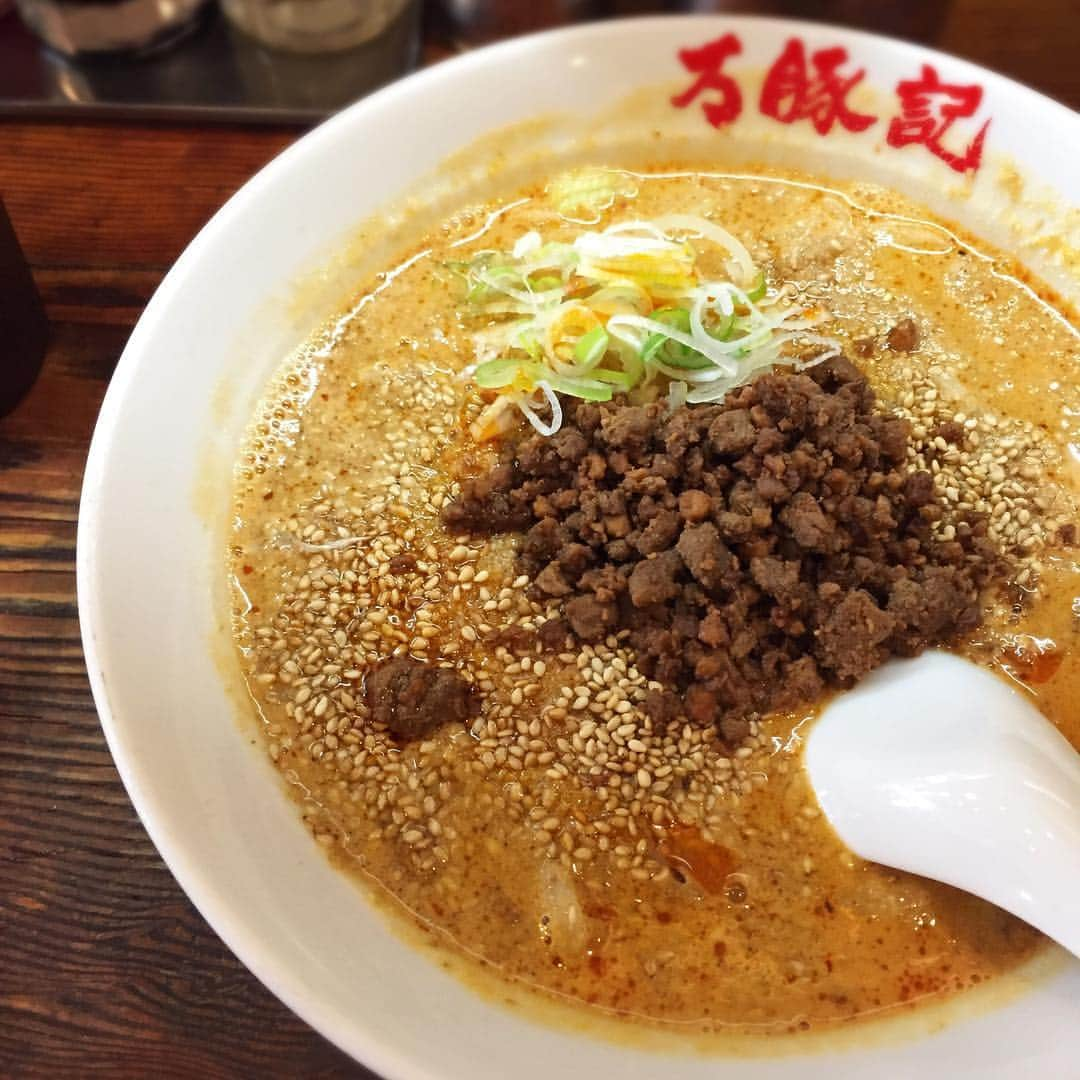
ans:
x=414 y=697
x=591 y=618
x=904 y=336
x=755 y=551
x=105 y=967
x=23 y=326
x=402 y=564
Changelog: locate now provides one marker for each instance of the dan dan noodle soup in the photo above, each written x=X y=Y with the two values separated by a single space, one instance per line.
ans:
x=547 y=551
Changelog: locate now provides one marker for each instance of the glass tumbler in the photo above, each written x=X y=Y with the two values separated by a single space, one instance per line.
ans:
x=82 y=27
x=314 y=26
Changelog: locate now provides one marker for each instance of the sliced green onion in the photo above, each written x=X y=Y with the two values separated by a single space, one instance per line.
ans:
x=497 y=374
x=756 y=291
x=724 y=329
x=679 y=356
x=544 y=282
x=622 y=379
x=620 y=296
x=677 y=317
x=531 y=346
x=632 y=365
x=590 y=347
x=586 y=389
x=652 y=345
x=493 y=374
x=637 y=291
x=660 y=347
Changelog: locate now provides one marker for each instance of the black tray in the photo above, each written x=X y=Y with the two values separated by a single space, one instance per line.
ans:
x=214 y=73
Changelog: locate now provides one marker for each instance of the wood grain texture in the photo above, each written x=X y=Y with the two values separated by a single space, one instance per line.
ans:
x=109 y=196
x=105 y=968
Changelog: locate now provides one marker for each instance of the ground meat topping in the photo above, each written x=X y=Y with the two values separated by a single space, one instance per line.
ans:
x=755 y=551
x=412 y=697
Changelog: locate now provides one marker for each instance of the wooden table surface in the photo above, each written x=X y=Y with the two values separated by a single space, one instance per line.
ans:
x=105 y=967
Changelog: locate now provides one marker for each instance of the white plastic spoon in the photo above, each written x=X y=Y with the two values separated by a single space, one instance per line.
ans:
x=939 y=767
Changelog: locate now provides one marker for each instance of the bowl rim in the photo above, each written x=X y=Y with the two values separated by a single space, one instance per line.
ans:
x=205 y=893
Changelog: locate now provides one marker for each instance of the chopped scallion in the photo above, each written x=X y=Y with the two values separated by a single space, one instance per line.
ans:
x=757 y=289
x=590 y=348
x=620 y=307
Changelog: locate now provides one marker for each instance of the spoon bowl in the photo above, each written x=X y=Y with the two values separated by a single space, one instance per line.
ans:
x=939 y=767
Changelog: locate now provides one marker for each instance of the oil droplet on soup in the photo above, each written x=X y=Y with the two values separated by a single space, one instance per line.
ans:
x=698 y=883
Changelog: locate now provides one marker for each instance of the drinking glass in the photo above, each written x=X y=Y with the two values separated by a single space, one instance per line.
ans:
x=81 y=27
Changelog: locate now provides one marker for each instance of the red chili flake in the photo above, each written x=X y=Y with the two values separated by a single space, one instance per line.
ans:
x=707 y=62
x=248 y=569
x=709 y=864
x=791 y=92
x=928 y=108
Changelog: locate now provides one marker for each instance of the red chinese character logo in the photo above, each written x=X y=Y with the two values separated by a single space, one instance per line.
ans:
x=791 y=93
x=706 y=62
x=928 y=109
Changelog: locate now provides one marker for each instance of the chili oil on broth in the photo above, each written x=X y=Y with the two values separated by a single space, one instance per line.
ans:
x=683 y=883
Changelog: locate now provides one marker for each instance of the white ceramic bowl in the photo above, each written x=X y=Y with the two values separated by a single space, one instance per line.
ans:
x=156 y=497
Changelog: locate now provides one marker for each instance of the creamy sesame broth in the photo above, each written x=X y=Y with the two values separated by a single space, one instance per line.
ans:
x=556 y=835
